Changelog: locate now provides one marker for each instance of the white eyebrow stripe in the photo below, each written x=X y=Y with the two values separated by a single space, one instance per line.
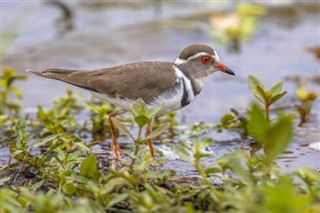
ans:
x=179 y=61
x=216 y=56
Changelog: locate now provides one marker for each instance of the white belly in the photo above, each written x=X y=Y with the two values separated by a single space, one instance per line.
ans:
x=170 y=101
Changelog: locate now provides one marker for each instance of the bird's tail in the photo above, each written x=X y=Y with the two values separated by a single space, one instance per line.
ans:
x=74 y=77
x=37 y=72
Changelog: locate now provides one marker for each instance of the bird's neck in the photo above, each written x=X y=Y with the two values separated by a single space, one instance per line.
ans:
x=196 y=83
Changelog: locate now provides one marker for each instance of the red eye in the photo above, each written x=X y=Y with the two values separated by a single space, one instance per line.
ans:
x=205 y=59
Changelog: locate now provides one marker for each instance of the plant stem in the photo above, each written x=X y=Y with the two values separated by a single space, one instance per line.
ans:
x=137 y=143
x=267 y=112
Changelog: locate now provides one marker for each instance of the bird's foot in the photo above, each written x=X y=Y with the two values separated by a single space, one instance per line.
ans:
x=116 y=149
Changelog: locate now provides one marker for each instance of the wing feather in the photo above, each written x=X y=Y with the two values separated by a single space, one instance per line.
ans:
x=145 y=80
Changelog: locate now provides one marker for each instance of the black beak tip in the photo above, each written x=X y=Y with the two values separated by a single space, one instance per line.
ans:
x=230 y=72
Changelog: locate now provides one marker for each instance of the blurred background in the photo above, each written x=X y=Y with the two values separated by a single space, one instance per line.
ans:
x=273 y=40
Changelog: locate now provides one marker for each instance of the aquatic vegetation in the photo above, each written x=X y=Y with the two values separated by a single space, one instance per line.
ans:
x=98 y=123
x=237 y=121
x=239 y=26
x=56 y=171
x=8 y=78
x=266 y=97
x=306 y=99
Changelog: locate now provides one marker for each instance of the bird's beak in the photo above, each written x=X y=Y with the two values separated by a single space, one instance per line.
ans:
x=223 y=68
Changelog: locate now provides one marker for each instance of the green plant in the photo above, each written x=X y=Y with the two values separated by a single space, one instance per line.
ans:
x=67 y=176
x=142 y=117
x=306 y=103
x=61 y=117
x=24 y=151
x=239 y=26
x=8 y=78
x=266 y=97
x=234 y=121
x=274 y=137
x=98 y=122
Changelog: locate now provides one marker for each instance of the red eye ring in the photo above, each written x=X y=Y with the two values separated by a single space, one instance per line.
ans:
x=205 y=59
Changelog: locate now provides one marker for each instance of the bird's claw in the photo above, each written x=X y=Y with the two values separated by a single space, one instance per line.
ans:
x=116 y=149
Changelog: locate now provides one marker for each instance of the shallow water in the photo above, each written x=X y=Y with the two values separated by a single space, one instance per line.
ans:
x=111 y=34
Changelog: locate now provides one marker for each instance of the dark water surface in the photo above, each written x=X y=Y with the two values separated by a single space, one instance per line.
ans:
x=110 y=34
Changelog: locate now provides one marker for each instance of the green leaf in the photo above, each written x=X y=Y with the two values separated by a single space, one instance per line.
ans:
x=308 y=174
x=181 y=151
x=37 y=185
x=277 y=97
x=45 y=140
x=141 y=168
x=253 y=82
x=227 y=118
x=117 y=199
x=20 y=128
x=276 y=89
x=17 y=92
x=16 y=155
x=158 y=131
x=141 y=120
x=200 y=144
x=236 y=162
x=15 y=152
x=3 y=180
x=154 y=111
x=264 y=94
x=138 y=108
x=83 y=146
x=122 y=128
x=213 y=170
x=258 y=124
x=279 y=136
x=89 y=169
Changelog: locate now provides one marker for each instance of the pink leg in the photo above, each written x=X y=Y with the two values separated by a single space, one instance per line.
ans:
x=114 y=144
x=149 y=142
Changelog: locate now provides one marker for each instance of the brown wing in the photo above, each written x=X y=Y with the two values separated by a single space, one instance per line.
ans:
x=144 y=80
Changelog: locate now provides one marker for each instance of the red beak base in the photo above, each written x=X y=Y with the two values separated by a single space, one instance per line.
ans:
x=225 y=69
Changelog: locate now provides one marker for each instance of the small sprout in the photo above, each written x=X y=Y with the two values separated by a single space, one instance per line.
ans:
x=307 y=101
x=267 y=98
x=234 y=121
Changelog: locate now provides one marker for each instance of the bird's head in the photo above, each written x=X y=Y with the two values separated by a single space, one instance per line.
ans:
x=200 y=61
